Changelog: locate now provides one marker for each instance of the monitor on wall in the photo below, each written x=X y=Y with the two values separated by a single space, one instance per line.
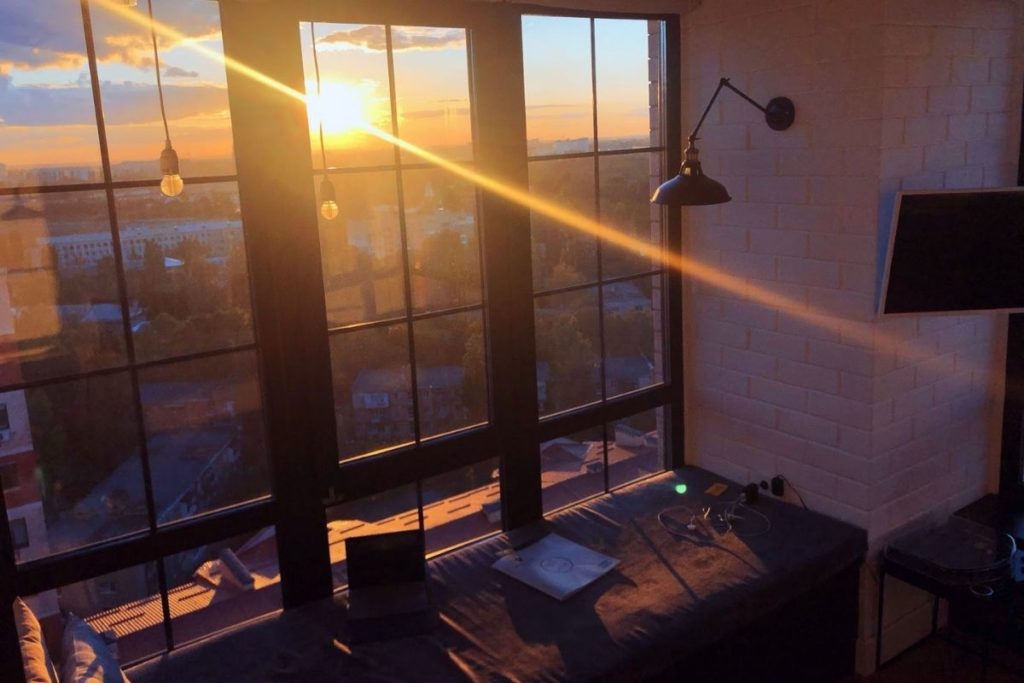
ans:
x=955 y=252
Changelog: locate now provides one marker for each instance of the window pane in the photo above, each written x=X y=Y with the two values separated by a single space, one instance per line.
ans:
x=372 y=389
x=451 y=373
x=568 y=350
x=204 y=427
x=213 y=587
x=444 y=251
x=628 y=56
x=562 y=255
x=59 y=301
x=187 y=272
x=123 y=606
x=354 y=92
x=627 y=182
x=632 y=335
x=559 y=100
x=432 y=86
x=636 y=447
x=90 y=481
x=461 y=505
x=362 y=250
x=194 y=87
x=394 y=510
x=572 y=468
x=48 y=134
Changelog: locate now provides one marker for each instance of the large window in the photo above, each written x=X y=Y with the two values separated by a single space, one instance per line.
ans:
x=236 y=374
x=130 y=371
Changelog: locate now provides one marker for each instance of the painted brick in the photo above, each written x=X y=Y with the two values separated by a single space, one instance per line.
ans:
x=716 y=378
x=965 y=177
x=857 y=277
x=727 y=334
x=947 y=155
x=783 y=190
x=777 y=393
x=742 y=408
x=748 y=313
x=806 y=217
x=749 y=362
x=926 y=130
x=953 y=99
x=990 y=98
x=966 y=127
x=843 y=357
x=808 y=272
x=786 y=346
x=901 y=161
x=952 y=40
x=913 y=402
x=741 y=264
x=905 y=101
x=809 y=427
x=778 y=242
x=840 y=410
x=970 y=70
x=809 y=376
x=929 y=70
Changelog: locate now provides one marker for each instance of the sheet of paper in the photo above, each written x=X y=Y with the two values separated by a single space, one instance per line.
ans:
x=556 y=566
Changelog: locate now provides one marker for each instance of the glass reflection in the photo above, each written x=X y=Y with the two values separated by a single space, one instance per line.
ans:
x=451 y=372
x=443 y=236
x=188 y=276
x=372 y=389
x=362 y=251
x=568 y=350
x=572 y=468
x=204 y=435
x=60 y=311
x=563 y=256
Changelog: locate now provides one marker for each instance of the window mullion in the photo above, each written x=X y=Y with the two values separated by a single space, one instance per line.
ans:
x=501 y=128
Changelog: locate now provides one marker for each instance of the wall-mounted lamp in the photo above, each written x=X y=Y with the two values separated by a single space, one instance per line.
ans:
x=691 y=187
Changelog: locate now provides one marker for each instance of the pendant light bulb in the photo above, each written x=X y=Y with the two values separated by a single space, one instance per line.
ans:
x=172 y=184
x=328 y=200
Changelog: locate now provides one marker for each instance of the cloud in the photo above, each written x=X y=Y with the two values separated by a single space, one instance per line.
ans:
x=123 y=103
x=373 y=38
x=36 y=35
x=435 y=113
x=178 y=72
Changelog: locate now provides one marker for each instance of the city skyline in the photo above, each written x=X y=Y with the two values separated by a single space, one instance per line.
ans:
x=47 y=116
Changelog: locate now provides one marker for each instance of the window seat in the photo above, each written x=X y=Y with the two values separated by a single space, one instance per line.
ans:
x=782 y=605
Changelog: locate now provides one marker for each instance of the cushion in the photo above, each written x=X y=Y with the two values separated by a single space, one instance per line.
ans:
x=86 y=657
x=34 y=656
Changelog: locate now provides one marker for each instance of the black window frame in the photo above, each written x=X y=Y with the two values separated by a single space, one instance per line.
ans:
x=278 y=208
x=1011 y=463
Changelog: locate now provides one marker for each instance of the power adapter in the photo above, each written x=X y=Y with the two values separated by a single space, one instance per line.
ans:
x=778 y=486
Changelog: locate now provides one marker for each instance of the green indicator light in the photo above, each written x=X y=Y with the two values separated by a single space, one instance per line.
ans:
x=680 y=489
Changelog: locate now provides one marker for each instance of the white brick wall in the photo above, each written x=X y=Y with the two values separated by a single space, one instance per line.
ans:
x=880 y=423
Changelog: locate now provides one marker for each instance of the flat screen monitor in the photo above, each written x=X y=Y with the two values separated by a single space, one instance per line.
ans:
x=955 y=252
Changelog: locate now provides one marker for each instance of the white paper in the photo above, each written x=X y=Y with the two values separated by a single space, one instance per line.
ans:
x=556 y=566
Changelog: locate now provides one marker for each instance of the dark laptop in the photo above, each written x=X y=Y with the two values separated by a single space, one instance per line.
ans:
x=387 y=586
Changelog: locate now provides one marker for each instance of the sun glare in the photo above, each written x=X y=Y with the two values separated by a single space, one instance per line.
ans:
x=343 y=107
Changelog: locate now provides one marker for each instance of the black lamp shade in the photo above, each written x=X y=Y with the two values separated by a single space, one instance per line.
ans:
x=691 y=188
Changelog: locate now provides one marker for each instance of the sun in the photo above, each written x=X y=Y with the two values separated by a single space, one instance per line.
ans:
x=343 y=107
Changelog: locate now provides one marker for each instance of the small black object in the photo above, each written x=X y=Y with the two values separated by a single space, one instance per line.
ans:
x=778 y=486
x=387 y=586
x=780 y=113
x=750 y=493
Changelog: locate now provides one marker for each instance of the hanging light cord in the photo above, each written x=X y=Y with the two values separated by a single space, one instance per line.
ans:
x=159 y=84
x=320 y=104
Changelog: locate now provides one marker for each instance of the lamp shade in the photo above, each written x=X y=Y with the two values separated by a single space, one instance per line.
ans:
x=691 y=187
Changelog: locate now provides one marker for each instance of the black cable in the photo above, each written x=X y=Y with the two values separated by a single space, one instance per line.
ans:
x=319 y=99
x=159 y=83
x=790 y=484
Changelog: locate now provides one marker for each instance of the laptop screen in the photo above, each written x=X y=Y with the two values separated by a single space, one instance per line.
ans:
x=384 y=559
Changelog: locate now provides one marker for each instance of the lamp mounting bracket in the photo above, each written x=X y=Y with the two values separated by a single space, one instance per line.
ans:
x=779 y=114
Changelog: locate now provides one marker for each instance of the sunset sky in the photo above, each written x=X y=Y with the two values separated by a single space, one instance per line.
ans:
x=46 y=108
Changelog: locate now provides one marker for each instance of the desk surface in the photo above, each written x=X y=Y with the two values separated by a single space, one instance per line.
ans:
x=670 y=597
